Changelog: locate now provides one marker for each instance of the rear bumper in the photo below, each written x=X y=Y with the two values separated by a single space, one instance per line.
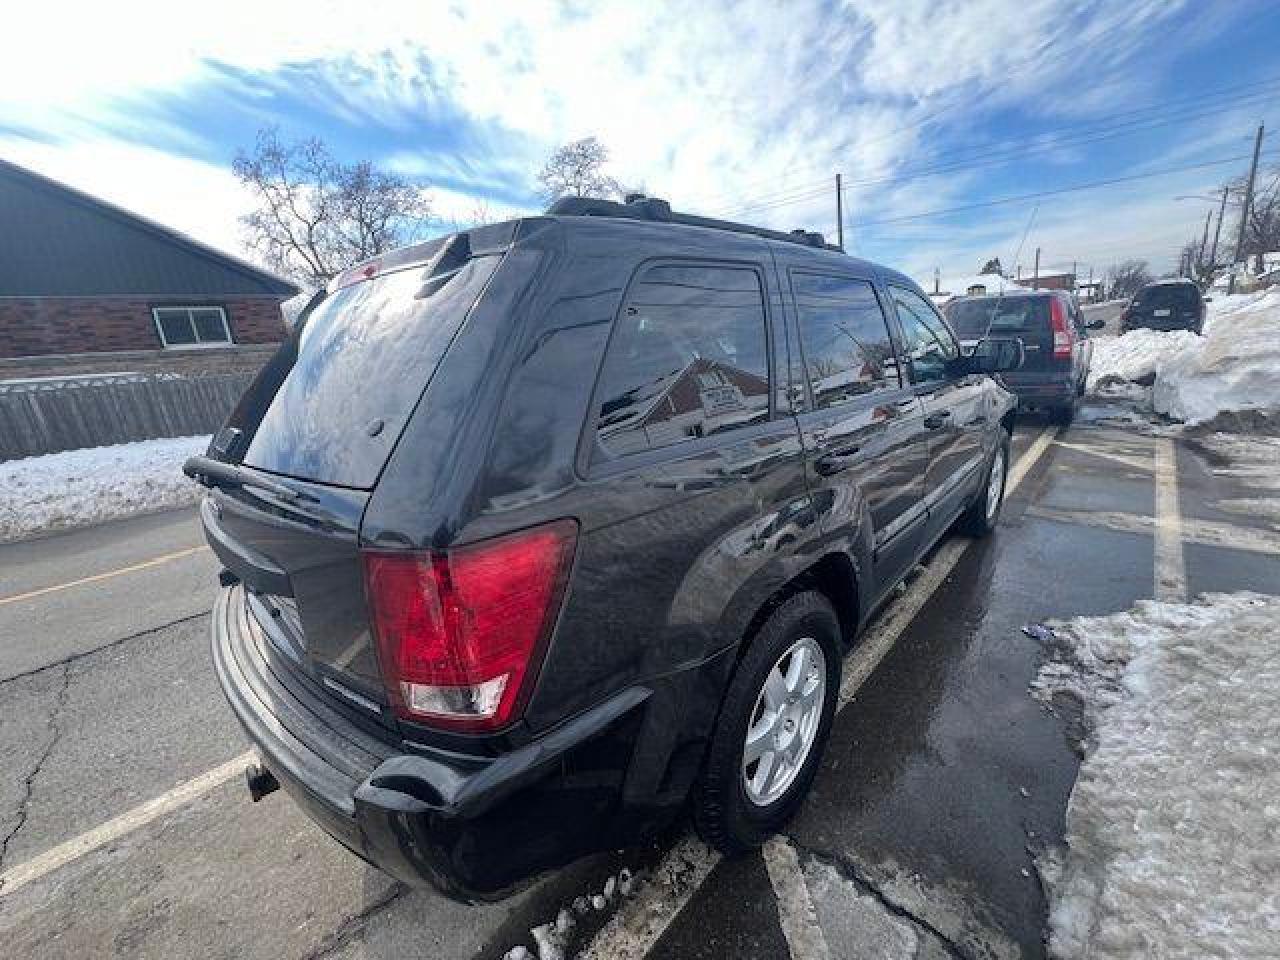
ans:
x=1164 y=324
x=1049 y=389
x=473 y=827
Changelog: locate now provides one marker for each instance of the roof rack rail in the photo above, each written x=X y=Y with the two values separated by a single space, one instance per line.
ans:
x=640 y=207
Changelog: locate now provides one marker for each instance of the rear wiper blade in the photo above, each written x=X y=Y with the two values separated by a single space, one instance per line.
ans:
x=215 y=473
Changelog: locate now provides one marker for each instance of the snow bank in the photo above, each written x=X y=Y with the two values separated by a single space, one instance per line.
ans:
x=959 y=286
x=1173 y=828
x=1235 y=366
x=78 y=487
x=1135 y=355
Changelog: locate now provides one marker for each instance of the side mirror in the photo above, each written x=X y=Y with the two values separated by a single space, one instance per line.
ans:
x=996 y=356
x=1096 y=324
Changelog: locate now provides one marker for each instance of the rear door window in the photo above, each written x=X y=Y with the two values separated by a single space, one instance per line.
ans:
x=1179 y=295
x=998 y=316
x=688 y=358
x=364 y=357
x=844 y=338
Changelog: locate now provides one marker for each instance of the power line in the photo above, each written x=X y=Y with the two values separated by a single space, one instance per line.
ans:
x=1010 y=155
x=926 y=214
x=1064 y=135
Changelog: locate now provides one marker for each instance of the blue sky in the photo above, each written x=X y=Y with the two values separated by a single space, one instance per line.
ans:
x=744 y=110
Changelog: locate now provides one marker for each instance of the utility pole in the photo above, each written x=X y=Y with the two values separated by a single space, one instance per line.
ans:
x=1204 y=239
x=1093 y=294
x=1074 y=284
x=1217 y=231
x=1035 y=277
x=839 y=213
x=1244 y=211
x=937 y=280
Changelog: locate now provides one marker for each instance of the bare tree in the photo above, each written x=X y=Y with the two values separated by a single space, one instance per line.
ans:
x=480 y=214
x=1127 y=277
x=992 y=266
x=577 y=170
x=317 y=216
x=1262 y=233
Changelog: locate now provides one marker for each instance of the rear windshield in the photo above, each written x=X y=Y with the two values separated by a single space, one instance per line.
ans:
x=973 y=319
x=1168 y=295
x=364 y=358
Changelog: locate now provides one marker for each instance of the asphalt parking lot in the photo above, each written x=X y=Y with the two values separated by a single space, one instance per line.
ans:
x=127 y=829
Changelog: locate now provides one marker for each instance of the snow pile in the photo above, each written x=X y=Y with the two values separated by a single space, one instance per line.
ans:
x=1173 y=828
x=78 y=487
x=1135 y=355
x=959 y=286
x=1235 y=366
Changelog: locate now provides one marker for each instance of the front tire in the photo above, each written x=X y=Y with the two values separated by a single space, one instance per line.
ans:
x=773 y=726
x=984 y=513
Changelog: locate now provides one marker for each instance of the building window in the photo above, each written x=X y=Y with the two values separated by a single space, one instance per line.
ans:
x=192 y=326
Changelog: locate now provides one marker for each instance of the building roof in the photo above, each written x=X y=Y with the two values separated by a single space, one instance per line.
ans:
x=58 y=241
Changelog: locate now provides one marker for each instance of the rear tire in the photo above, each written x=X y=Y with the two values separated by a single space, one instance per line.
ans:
x=983 y=514
x=1065 y=414
x=738 y=802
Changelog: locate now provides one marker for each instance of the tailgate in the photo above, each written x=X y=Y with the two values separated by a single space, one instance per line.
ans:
x=299 y=458
x=299 y=561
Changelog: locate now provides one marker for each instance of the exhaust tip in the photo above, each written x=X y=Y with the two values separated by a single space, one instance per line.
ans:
x=260 y=781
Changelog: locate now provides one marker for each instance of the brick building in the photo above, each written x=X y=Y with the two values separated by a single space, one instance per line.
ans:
x=86 y=287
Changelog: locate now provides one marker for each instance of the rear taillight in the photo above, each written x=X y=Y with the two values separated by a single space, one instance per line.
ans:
x=461 y=632
x=1062 y=339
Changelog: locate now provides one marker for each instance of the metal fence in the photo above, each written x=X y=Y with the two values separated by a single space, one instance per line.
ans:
x=49 y=415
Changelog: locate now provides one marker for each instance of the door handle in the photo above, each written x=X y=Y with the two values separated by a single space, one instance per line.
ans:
x=936 y=420
x=832 y=463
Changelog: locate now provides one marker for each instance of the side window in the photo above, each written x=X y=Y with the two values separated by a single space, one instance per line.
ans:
x=927 y=342
x=688 y=358
x=844 y=337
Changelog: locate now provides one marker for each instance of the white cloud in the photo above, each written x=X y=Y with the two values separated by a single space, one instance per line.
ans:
x=711 y=107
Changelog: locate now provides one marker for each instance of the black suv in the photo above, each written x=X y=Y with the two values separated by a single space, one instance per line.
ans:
x=1167 y=305
x=537 y=532
x=1055 y=338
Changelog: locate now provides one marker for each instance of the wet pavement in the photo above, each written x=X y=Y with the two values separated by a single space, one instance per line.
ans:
x=942 y=780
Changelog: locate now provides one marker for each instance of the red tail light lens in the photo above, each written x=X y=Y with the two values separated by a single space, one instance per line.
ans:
x=461 y=633
x=1062 y=332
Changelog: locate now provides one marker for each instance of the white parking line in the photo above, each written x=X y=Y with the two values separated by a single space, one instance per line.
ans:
x=1170 y=570
x=636 y=927
x=1208 y=533
x=634 y=930
x=796 y=915
x=640 y=923
x=126 y=823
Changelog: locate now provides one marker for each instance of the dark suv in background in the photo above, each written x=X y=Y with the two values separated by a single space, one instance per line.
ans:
x=1055 y=338
x=537 y=532
x=1167 y=305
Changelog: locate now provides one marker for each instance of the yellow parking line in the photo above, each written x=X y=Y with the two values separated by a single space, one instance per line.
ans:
x=153 y=562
